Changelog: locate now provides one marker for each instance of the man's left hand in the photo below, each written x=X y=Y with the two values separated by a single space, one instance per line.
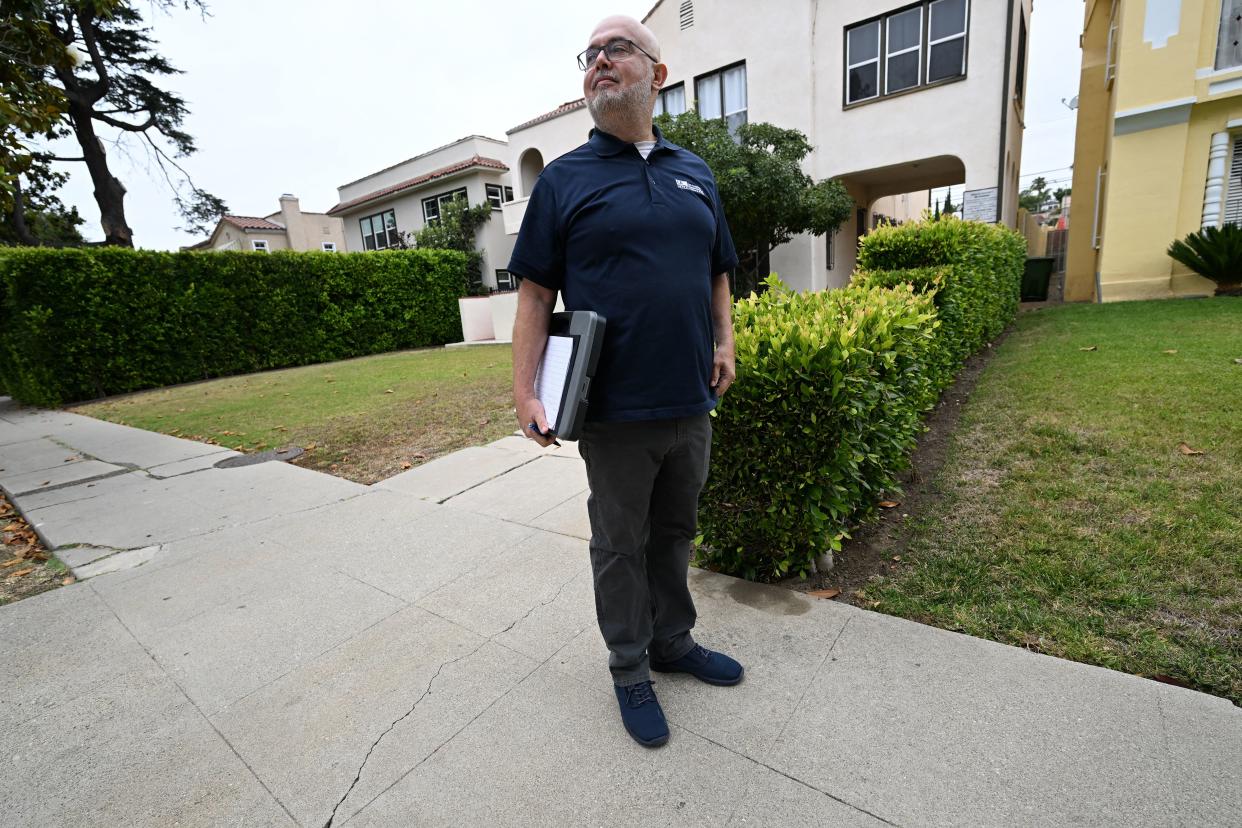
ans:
x=723 y=370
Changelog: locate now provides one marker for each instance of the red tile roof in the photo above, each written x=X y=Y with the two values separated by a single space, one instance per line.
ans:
x=568 y=106
x=476 y=161
x=253 y=223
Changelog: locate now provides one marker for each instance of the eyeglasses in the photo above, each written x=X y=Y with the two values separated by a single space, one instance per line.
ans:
x=614 y=50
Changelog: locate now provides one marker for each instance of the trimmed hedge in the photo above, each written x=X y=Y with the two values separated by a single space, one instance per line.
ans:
x=86 y=323
x=832 y=388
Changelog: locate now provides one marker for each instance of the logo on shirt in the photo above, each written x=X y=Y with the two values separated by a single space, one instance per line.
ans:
x=686 y=185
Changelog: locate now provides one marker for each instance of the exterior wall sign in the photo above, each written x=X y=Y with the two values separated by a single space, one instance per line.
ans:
x=980 y=205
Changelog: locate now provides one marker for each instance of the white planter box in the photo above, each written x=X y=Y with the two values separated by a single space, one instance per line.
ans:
x=476 y=319
x=504 y=311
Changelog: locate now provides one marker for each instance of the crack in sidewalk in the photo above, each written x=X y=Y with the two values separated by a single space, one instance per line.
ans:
x=398 y=720
x=490 y=639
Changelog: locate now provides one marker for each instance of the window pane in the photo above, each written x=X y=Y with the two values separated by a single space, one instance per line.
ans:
x=494 y=194
x=431 y=209
x=735 y=90
x=365 y=225
x=659 y=106
x=674 y=100
x=368 y=241
x=948 y=18
x=392 y=237
x=390 y=220
x=903 y=72
x=864 y=82
x=864 y=43
x=946 y=60
x=708 y=92
x=905 y=30
x=734 y=121
x=508 y=194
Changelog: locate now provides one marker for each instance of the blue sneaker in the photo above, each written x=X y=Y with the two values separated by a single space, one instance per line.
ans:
x=704 y=665
x=642 y=715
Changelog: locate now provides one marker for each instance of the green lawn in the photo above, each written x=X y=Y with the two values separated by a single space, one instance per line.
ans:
x=365 y=418
x=1072 y=522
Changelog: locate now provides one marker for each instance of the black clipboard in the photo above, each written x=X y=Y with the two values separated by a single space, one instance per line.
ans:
x=577 y=336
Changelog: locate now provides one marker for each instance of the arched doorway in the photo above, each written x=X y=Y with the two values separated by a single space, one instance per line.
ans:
x=529 y=168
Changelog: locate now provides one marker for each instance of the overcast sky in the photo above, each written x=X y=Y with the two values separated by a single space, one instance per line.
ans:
x=303 y=96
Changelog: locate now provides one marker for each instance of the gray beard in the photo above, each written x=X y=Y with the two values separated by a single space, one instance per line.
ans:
x=620 y=107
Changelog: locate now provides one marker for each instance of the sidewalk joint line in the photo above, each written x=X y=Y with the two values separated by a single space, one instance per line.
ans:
x=488 y=480
x=780 y=772
x=793 y=710
x=193 y=704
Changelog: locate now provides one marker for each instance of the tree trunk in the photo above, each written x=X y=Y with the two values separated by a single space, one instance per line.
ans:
x=109 y=192
x=19 y=216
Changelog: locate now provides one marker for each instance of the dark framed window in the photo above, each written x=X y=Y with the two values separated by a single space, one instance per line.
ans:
x=506 y=280
x=722 y=94
x=432 y=205
x=919 y=45
x=498 y=195
x=1019 y=83
x=379 y=232
x=671 y=101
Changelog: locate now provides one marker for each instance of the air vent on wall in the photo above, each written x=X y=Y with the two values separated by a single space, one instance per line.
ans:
x=687 y=14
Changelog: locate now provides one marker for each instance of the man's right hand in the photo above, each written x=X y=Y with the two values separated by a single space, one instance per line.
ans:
x=531 y=411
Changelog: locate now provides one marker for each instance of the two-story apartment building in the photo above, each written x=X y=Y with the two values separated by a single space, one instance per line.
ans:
x=896 y=96
x=1159 y=143
x=380 y=208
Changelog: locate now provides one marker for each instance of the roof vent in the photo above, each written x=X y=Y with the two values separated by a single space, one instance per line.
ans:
x=687 y=14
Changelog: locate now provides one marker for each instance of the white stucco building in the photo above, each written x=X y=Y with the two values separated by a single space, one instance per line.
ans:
x=897 y=97
x=402 y=198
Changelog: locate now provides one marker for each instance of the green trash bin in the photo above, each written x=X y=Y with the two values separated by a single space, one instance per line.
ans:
x=1035 y=278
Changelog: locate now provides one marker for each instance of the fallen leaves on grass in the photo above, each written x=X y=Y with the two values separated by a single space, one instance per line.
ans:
x=1237 y=362
x=1090 y=348
x=1171 y=351
x=389 y=391
x=406 y=464
x=19 y=573
x=1185 y=449
x=825 y=593
x=889 y=504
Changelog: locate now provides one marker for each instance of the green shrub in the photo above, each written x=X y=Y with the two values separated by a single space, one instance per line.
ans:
x=832 y=387
x=87 y=323
x=827 y=404
x=1214 y=253
x=987 y=261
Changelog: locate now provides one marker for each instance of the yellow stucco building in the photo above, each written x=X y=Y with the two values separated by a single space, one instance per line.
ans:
x=1159 y=143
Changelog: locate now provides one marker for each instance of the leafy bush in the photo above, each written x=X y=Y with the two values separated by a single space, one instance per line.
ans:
x=1215 y=253
x=987 y=262
x=826 y=407
x=832 y=387
x=93 y=322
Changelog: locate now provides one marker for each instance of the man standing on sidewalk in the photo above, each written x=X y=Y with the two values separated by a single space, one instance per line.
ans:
x=630 y=226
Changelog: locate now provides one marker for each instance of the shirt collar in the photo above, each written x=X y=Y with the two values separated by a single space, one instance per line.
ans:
x=607 y=145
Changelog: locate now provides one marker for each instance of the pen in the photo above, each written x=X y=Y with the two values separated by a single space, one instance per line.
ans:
x=535 y=429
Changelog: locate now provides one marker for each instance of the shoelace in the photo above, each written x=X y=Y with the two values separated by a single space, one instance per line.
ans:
x=640 y=694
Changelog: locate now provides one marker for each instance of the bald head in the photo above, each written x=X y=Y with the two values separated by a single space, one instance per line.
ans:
x=619 y=25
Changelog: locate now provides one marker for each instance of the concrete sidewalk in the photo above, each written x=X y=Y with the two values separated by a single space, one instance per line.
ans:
x=267 y=645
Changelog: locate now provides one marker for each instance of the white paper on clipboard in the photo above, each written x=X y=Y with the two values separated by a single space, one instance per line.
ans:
x=552 y=375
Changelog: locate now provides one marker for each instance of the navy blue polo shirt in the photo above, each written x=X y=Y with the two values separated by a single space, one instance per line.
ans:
x=638 y=242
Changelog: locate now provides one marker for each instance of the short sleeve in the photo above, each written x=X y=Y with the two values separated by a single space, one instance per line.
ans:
x=724 y=257
x=539 y=253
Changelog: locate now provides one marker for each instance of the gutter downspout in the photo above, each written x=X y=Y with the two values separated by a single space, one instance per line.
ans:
x=1004 y=133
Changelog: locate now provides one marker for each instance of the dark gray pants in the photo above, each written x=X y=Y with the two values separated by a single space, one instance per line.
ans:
x=645 y=479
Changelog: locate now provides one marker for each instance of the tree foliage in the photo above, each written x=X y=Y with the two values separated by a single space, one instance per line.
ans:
x=36 y=217
x=767 y=197
x=1035 y=196
x=30 y=106
x=456 y=229
x=114 y=85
